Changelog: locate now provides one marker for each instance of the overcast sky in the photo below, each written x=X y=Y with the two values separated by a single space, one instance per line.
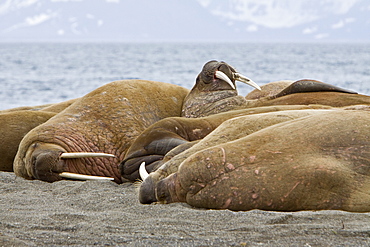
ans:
x=185 y=20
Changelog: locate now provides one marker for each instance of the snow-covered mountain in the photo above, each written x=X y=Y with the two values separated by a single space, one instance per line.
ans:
x=190 y=20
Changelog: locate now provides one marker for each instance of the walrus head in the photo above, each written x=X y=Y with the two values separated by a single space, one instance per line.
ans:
x=154 y=189
x=215 y=90
x=217 y=76
x=48 y=162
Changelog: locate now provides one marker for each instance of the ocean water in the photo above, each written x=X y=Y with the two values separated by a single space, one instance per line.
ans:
x=41 y=73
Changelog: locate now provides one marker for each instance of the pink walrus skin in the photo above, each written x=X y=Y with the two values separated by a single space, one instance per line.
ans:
x=312 y=163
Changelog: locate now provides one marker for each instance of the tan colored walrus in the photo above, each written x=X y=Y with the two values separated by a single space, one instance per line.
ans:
x=316 y=162
x=168 y=137
x=223 y=98
x=305 y=92
x=106 y=120
x=244 y=123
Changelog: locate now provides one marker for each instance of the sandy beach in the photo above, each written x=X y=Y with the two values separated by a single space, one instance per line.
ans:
x=36 y=213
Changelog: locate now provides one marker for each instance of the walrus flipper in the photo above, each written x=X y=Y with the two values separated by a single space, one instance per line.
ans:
x=151 y=153
x=306 y=86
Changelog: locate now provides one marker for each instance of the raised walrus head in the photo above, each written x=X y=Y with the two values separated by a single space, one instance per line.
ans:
x=215 y=91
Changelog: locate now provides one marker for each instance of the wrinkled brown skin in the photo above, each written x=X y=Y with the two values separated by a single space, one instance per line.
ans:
x=211 y=95
x=106 y=120
x=14 y=126
x=237 y=127
x=159 y=139
x=311 y=163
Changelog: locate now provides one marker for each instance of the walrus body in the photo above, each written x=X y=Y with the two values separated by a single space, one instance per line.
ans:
x=304 y=92
x=310 y=163
x=237 y=127
x=160 y=141
x=269 y=89
x=106 y=120
x=165 y=136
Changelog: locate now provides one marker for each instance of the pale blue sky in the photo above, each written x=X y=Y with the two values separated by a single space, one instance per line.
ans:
x=190 y=20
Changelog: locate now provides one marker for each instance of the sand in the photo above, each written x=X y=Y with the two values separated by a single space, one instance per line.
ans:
x=36 y=213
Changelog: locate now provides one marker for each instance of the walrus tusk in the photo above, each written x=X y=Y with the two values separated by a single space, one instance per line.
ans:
x=246 y=80
x=85 y=155
x=221 y=75
x=82 y=177
x=142 y=171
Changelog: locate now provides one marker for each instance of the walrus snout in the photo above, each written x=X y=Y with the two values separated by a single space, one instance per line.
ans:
x=214 y=73
x=47 y=166
x=147 y=191
x=48 y=162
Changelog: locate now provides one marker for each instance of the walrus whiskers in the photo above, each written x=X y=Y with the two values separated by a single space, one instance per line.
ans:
x=83 y=177
x=246 y=80
x=85 y=155
x=142 y=171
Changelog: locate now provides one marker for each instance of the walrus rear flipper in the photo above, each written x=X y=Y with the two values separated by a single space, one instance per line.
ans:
x=306 y=86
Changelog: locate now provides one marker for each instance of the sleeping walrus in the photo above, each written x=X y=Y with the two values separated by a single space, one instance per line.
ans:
x=92 y=135
x=317 y=161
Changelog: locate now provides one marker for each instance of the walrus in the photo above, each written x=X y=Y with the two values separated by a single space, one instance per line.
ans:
x=105 y=121
x=153 y=146
x=305 y=92
x=251 y=122
x=215 y=91
x=316 y=162
x=302 y=92
x=14 y=126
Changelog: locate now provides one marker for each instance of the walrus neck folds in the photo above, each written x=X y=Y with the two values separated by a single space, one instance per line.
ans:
x=201 y=104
